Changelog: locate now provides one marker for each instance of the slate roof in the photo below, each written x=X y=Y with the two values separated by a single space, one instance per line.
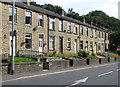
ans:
x=50 y=13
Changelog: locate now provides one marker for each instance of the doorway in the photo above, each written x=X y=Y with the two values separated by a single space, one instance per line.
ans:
x=40 y=44
x=75 y=45
x=61 y=44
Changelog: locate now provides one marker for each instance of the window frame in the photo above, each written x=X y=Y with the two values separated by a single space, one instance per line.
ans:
x=91 y=46
x=52 y=24
x=39 y=20
x=81 y=44
x=91 y=33
x=60 y=25
x=15 y=15
x=68 y=27
x=81 y=30
x=30 y=18
x=75 y=29
x=52 y=39
x=69 y=44
x=28 y=36
x=86 y=31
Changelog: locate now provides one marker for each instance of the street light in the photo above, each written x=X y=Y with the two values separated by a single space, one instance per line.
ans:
x=12 y=41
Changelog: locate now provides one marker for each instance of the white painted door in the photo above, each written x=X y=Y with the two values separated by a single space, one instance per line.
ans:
x=75 y=46
x=95 y=47
x=13 y=45
x=40 y=45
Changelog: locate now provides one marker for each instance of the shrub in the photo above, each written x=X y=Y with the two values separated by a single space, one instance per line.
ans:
x=83 y=53
x=109 y=54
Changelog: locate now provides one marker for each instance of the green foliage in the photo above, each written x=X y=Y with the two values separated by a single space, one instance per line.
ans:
x=83 y=53
x=109 y=54
x=22 y=59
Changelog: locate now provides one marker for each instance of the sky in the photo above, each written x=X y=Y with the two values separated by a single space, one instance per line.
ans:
x=83 y=7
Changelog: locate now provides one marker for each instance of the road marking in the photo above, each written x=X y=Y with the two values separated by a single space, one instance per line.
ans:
x=78 y=81
x=118 y=69
x=105 y=73
x=26 y=77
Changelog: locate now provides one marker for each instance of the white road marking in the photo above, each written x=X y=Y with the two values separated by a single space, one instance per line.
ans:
x=105 y=73
x=79 y=81
x=26 y=77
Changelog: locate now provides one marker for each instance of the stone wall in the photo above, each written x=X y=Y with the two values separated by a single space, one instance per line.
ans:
x=56 y=64
x=22 y=68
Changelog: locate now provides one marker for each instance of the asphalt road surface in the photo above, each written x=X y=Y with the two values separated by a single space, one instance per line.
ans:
x=91 y=75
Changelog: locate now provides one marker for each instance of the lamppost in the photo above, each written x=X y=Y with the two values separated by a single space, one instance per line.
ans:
x=12 y=41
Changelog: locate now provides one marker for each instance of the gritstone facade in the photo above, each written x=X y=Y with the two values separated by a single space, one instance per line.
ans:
x=41 y=30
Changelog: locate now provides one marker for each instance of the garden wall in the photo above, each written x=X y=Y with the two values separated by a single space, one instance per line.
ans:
x=22 y=68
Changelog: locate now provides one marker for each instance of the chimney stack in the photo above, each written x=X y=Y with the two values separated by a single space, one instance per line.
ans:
x=27 y=2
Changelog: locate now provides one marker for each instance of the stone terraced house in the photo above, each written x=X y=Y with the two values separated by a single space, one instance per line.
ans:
x=41 y=30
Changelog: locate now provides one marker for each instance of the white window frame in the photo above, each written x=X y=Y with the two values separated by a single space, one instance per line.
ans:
x=86 y=45
x=91 y=32
x=15 y=14
x=91 y=46
x=60 y=25
x=95 y=33
x=75 y=29
x=28 y=14
x=69 y=43
x=81 y=30
x=52 y=39
x=69 y=27
x=40 y=17
x=52 y=23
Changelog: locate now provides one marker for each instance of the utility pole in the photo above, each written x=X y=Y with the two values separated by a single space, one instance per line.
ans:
x=12 y=58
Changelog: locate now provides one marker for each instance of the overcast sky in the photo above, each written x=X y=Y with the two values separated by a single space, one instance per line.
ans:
x=110 y=7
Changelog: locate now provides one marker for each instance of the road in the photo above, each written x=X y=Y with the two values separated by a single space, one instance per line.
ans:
x=91 y=75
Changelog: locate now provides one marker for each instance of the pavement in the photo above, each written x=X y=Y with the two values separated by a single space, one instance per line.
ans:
x=106 y=75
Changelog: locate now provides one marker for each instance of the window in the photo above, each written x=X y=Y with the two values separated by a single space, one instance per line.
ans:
x=86 y=31
x=99 y=46
x=81 y=44
x=86 y=46
x=40 y=20
x=28 y=40
x=102 y=34
x=68 y=27
x=99 y=34
x=60 y=25
x=75 y=29
x=52 y=23
x=69 y=44
x=91 y=33
x=10 y=15
x=95 y=34
x=28 y=18
x=81 y=30
x=91 y=46
x=52 y=42
x=105 y=36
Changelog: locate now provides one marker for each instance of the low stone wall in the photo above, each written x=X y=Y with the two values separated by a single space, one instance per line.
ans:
x=103 y=60
x=56 y=64
x=94 y=61
x=79 y=62
x=22 y=68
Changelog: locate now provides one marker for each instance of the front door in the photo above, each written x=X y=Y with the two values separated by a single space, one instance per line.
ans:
x=14 y=44
x=75 y=45
x=40 y=44
x=95 y=47
x=61 y=45
x=102 y=47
